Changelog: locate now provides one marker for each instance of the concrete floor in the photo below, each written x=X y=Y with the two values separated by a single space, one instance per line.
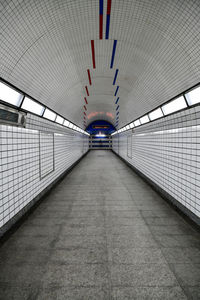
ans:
x=102 y=233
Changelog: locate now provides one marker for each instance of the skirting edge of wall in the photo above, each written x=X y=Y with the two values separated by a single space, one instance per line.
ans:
x=16 y=220
x=166 y=196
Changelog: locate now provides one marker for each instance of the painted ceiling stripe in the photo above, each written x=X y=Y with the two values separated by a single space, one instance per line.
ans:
x=100 y=19
x=108 y=19
x=109 y=7
x=85 y=107
x=85 y=100
x=117 y=107
x=89 y=77
x=113 y=53
x=116 y=73
x=93 y=54
x=117 y=100
x=107 y=26
x=84 y=113
x=116 y=90
x=86 y=88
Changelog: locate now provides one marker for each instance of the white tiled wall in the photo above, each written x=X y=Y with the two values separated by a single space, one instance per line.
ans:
x=33 y=157
x=46 y=146
x=168 y=152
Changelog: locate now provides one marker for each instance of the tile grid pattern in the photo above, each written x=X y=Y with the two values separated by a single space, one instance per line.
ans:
x=168 y=152
x=157 y=53
x=46 y=153
x=26 y=159
x=102 y=234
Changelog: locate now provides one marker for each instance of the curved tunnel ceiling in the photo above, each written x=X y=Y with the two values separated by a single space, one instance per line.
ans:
x=46 y=51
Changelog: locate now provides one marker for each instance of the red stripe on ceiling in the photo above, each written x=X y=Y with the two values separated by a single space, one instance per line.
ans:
x=84 y=113
x=89 y=77
x=100 y=27
x=93 y=54
x=87 y=90
x=109 y=7
x=85 y=107
x=85 y=100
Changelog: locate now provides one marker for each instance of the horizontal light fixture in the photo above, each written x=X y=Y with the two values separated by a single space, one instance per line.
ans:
x=32 y=106
x=66 y=123
x=193 y=97
x=156 y=114
x=100 y=135
x=144 y=119
x=127 y=127
x=49 y=114
x=10 y=95
x=174 y=105
x=59 y=120
x=131 y=125
x=137 y=123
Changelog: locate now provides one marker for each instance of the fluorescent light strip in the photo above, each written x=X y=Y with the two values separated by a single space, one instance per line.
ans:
x=66 y=123
x=174 y=105
x=32 y=106
x=13 y=97
x=144 y=119
x=59 y=120
x=193 y=96
x=49 y=114
x=9 y=95
x=137 y=123
x=155 y=114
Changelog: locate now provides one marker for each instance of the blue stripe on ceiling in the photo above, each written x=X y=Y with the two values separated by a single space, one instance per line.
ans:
x=113 y=53
x=107 y=26
x=116 y=90
x=116 y=73
x=101 y=7
x=117 y=100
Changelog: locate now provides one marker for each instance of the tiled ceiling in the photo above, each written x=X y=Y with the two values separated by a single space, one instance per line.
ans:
x=46 y=51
